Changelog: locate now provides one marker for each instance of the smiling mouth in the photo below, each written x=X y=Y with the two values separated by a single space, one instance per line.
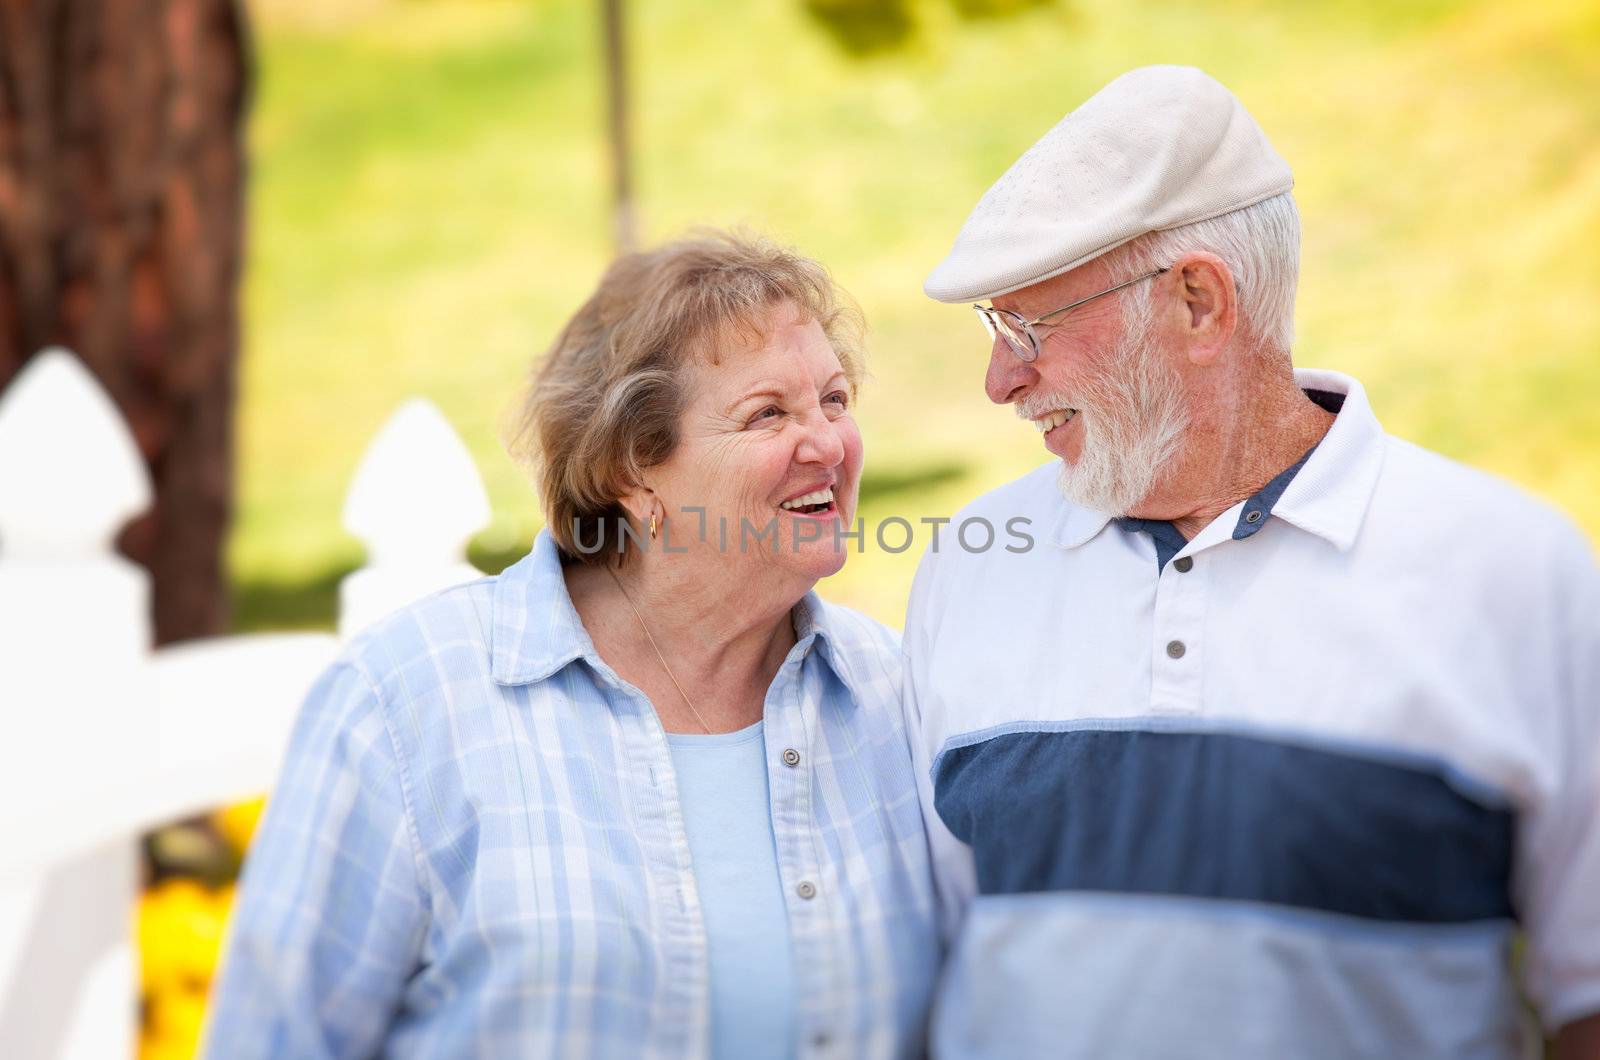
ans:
x=819 y=502
x=1050 y=421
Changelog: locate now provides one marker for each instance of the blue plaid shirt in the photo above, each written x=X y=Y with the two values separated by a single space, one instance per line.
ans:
x=475 y=848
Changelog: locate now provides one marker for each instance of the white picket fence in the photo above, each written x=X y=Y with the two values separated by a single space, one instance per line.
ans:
x=101 y=738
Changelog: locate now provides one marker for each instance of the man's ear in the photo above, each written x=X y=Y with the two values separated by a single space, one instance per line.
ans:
x=1210 y=305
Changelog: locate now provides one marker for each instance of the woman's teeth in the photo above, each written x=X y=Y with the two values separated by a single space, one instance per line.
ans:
x=822 y=496
x=1054 y=420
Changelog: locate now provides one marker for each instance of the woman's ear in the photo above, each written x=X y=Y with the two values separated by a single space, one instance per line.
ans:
x=642 y=504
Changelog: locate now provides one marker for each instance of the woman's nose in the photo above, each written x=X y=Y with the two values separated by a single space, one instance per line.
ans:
x=821 y=444
x=1008 y=375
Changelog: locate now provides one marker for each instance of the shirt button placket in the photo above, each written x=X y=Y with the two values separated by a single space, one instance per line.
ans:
x=817 y=966
x=1179 y=612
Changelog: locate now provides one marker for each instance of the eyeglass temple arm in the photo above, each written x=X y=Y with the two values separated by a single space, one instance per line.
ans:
x=1102 y=294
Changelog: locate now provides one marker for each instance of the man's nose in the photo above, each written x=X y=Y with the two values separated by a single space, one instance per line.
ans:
x=1008 y=375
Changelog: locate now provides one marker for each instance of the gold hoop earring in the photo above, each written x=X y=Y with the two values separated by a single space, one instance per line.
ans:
x=652 y=526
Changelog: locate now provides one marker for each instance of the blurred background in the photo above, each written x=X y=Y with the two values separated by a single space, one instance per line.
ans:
x=349 y=203
x=429 y=200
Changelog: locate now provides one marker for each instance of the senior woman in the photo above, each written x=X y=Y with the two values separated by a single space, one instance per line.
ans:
x=643 y=793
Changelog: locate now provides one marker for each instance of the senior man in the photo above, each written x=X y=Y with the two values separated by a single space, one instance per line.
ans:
x=1285 y=730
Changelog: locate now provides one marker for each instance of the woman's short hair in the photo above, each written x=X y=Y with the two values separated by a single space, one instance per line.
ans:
x=605 y=402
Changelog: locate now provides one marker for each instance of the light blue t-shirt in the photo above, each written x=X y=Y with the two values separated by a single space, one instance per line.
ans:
x=722 y=786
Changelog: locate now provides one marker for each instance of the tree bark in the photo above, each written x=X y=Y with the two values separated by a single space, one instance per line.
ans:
x=121 y=232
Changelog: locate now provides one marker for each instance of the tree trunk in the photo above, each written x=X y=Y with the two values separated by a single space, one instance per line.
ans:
x=121 y=228
x=624 y=220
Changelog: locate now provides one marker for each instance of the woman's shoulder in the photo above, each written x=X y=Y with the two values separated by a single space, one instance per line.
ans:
x=452 y=621
x=471 y=623
x=460 y=644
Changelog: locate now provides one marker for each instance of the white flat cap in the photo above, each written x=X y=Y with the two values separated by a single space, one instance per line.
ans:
x=1159 y=147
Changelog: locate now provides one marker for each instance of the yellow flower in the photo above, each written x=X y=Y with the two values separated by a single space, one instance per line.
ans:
x=175 y=1016
x=180 y=932
x=156 y=1047
x=237 y=823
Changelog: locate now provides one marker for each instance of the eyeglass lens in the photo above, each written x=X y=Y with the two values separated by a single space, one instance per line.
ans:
x=1009 y=327
x=1016 y=334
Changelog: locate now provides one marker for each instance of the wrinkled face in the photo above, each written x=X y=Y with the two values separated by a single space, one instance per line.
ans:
x=769 y=447
x=1103 y=392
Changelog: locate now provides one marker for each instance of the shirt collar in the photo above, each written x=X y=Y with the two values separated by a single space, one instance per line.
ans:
x=1260 y=505
x=1075 y=524
x=537 y=630
x=827 y=631
x=1328 y=495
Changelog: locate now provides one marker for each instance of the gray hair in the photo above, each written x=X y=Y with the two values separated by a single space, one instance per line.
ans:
x=1261 y=246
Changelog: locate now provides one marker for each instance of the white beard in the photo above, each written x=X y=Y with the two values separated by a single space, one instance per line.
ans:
x=1134 y=421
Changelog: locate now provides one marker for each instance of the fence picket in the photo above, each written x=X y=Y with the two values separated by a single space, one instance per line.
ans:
x=102 y=739
x=415 y=501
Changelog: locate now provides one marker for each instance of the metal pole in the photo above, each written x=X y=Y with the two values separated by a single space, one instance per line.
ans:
x=624 y=221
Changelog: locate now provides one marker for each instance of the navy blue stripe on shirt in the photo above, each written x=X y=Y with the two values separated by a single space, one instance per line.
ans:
x=1223 y=815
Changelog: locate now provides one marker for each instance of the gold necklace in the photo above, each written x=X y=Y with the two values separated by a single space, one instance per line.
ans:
x=657 y=649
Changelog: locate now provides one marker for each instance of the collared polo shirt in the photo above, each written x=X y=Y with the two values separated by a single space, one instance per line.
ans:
x=1255 y=510
x=477 y=848
x=1289 y=794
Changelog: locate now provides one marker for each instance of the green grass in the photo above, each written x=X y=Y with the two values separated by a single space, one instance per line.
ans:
x=428 y=204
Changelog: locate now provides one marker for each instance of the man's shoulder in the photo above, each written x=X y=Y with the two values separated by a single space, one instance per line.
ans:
x=1021 y=510
x=1034 y=495
x=1419 y=476
x=1478 y=510
x=1019 y=515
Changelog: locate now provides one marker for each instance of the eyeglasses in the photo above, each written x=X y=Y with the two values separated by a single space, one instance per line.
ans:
x=1018 y=332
